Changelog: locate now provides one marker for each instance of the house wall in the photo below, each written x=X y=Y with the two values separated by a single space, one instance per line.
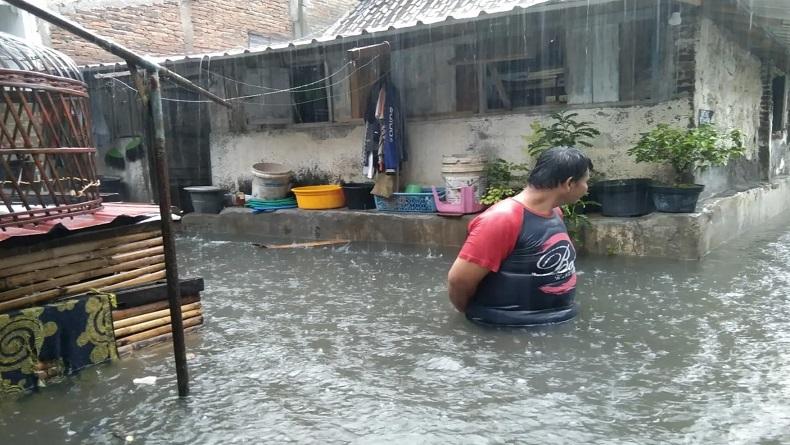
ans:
x=334 y=152
x=728 y=82
x=119 y=116
x=162 y=27
x=426 y=78
x=704 y=69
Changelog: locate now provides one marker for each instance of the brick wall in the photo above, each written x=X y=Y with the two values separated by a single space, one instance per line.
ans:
x=686 y=47
x=224 y=24
x=169 y=27
x=322 y=13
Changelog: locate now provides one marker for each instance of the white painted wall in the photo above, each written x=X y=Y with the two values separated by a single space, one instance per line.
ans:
x=337 y=149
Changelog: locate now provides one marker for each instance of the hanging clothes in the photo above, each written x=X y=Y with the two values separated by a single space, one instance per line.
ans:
x=385 y=138
x=370 y=146
x=393 y=130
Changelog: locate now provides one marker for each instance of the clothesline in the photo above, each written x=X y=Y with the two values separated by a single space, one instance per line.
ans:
x=296 y=89
x=262 y=87
x=168 y=99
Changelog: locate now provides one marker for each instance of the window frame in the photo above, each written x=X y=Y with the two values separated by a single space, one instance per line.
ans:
x=327 y=90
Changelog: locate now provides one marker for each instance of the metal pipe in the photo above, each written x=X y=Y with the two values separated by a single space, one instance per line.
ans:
x=119 y=50
x=378 y=49
x=171 y=265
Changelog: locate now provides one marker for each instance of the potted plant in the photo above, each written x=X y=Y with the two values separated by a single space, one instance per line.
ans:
x=505 y=179
x=624 y=197
x=566 y=131
x=687 y=151
x=619 y=197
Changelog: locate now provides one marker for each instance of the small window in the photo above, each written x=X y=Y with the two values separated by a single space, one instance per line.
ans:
x=778 y=88
x=638 y=60
x=516 y=70
x=309 y=96
x=522 y=83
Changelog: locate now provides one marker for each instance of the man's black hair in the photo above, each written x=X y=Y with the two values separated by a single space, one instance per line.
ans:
x=555 y=165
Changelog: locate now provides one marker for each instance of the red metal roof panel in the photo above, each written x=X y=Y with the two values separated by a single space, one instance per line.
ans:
x=109 y=212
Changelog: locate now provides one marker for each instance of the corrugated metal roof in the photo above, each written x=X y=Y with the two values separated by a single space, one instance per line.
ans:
x=108 y=214
x=382 y=16
x=393 y=16
x=774 y=15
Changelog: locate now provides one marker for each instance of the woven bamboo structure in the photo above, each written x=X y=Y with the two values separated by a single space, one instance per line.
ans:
x=47 y=158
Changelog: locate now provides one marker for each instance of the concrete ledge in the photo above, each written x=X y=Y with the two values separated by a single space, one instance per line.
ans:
x=681 y=236
x=294 y=224
x=691 y=235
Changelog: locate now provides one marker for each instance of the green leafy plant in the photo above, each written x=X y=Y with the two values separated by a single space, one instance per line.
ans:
x=576 y=220
x=687 y=150
x=505 y=179
x=564 y=131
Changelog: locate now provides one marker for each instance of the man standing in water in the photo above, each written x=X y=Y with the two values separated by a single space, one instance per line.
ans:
x=516 y=267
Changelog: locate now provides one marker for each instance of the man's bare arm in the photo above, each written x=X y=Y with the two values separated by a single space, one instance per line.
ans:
x=462 y=282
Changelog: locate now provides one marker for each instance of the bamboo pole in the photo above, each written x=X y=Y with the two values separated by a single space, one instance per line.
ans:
x=131 y=347
x=153 y=315
x=171 y=262
x=143 y=279
x=36 y=266
x=122 y=314
x=38 y=276
x=58 y=252
x=155 y=323
x=303 y=245
x=194 y=321
x=75 y=276
x=125 y=279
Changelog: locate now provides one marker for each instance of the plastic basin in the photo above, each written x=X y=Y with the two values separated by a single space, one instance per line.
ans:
x=318 y=197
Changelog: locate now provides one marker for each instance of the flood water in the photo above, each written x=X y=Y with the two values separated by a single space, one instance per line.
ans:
x=359 y=344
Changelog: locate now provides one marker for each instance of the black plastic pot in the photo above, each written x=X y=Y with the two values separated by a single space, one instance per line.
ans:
x=625 y=197
x=206 y=198
x=676 y=199
x=358 y=196
x=593 y=201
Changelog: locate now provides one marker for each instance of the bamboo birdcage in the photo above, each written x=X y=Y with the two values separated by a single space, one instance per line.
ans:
x=47 y=158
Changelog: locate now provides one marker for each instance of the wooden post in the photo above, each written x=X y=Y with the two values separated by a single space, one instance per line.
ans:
x=171 y=264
